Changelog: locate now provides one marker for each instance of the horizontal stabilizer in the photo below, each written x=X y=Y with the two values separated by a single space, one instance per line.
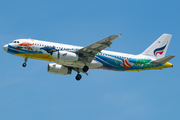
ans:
x=162 y=60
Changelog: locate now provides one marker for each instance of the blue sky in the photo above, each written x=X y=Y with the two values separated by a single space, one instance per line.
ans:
x=32 y=93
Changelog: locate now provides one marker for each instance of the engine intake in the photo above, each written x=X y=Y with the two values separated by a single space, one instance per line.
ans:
x=59 y=69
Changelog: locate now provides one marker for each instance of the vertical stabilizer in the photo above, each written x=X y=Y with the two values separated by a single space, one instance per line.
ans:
x=159 y=47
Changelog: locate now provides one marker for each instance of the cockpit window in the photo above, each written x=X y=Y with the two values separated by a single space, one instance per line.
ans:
x=15 y=42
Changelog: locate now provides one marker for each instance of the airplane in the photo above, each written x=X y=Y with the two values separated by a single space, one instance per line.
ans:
x=66 y=58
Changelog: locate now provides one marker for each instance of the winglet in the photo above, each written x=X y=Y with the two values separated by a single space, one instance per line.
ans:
x=120 y=35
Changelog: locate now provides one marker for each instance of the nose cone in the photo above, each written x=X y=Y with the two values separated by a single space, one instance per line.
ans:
x=5 y=47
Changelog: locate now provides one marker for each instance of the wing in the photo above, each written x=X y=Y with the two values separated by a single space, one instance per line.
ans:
x=88 y=53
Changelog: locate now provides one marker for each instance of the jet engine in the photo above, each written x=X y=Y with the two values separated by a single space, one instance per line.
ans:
x=58 y=69
x=65 y=56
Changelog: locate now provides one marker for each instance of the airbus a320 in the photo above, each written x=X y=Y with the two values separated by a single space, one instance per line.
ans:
x=66 y=58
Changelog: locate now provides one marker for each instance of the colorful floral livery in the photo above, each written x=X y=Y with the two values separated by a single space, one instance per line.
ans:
x=80 y=59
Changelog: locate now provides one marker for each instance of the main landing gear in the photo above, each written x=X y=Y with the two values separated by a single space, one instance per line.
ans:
x=24 y=64
x=85 y=68
x=78 y=77
x=82 y=70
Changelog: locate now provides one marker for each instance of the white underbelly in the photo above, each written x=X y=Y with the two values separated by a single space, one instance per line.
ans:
x=79 y=64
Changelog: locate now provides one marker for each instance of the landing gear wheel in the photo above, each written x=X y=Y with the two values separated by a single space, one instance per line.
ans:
x=78 y=77
x=24 y=64
x=85 y=68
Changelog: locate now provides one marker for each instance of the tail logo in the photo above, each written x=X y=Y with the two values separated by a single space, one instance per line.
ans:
x=159 y=50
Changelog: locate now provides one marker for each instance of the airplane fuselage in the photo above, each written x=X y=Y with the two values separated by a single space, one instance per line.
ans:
x=107 y=60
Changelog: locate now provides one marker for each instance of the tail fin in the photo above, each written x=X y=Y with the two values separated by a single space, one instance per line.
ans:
x=159 y=47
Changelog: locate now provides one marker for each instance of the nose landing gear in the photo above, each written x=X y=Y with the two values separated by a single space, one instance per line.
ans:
x=24 y=64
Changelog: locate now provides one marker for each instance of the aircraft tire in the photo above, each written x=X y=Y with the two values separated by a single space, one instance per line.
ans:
x=24 y=64
x=85 y=68
x=78 y=77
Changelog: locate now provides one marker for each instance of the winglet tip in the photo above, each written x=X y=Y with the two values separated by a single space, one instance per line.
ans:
x=119 y=35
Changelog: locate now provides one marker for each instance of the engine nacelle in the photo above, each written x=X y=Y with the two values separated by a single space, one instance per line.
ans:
x=58 y=69
x=65 y=56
